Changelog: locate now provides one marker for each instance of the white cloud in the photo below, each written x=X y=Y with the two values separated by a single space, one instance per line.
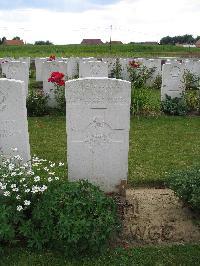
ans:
x=138 y=20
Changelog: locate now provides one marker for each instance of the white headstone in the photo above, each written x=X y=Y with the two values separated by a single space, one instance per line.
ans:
x=72 y=67
x=6 y=59
x=172 y=80
x=124 y=68
x=3 y=62
x=98 y=121
x=13 y=119
x=111 y=64
x=93 y=69
x=141 y=60
x=193 y=67
x=38 y=68
x=25 y=60
x=86 y=59
x=48 y=87
x=62 y=59
x=18 y=71
x=154 y=64
x=124 y=63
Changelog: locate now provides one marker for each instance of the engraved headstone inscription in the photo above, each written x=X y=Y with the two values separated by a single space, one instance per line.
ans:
x=98 y=120
x=93 y=69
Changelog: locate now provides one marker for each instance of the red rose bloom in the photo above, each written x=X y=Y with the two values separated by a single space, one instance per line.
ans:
x=52 y=58
x=57 y=78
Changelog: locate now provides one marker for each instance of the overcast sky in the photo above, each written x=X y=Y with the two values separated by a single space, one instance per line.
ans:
x=69 y=21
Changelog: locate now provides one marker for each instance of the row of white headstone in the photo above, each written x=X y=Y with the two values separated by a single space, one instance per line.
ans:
x=172 y=71
x=16 y=69
x=98 y=118
x=97 y=113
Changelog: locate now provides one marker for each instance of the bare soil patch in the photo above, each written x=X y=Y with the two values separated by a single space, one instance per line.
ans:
x=156 y=216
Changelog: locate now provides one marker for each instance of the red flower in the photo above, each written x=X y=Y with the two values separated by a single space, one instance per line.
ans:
x=61 y=83
x=57 y=78
x=52 y=57
x=134 y=64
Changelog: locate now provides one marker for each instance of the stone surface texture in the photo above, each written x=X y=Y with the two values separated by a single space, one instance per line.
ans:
x=93 y=69
x=17 y=70
x=13 y=119
x=38 y=68
x=98 y=120
x=172 y=80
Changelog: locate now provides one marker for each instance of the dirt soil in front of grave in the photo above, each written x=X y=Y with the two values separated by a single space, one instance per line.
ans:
x=155 y=216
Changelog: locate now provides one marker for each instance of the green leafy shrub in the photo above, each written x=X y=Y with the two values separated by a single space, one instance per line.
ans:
x=21 y=188
x=36 y=103
x=191 y=80
x=174 y=106
x=192 y=98
x=139 y=75
x=116 y=72
x=59 y=92
x=75 y=217
x=41 y=210
x=157 y=82
x=32 y=74
x=186 y=184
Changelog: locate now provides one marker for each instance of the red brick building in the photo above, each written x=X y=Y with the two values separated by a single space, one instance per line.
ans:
x=198 y=44
x=92 y=41
x=13 y=42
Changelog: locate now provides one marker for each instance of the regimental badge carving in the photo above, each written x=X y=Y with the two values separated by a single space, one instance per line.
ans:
x=175 y=72
x=97 y=133
x=2 y=101
x=95 y=69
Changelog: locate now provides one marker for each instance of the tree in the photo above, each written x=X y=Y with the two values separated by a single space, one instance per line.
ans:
x=17 y=38
x=187 y=38
x=43 y=43
x=2 y=40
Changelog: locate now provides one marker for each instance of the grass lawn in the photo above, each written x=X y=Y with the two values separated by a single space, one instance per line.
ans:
x=124 y=50
x=157 y=144
x=174 y=255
